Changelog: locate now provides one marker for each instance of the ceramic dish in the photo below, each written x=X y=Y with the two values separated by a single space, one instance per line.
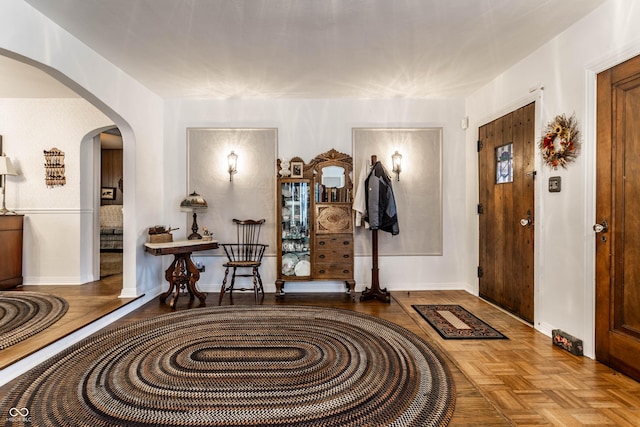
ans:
x=289 y=262
x=303 y=268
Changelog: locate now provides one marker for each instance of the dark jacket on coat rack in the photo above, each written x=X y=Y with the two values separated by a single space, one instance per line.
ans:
x=381 y=204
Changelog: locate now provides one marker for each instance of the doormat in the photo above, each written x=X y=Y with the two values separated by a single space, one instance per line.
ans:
x=454 y=322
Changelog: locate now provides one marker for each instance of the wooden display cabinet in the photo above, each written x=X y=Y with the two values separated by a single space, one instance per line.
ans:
x=315 y=236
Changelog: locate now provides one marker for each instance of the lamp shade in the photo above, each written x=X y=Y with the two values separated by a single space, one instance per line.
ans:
x=193 y=202
x=6 y=168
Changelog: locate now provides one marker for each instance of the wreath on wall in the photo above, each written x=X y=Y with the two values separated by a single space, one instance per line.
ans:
x=560 y=144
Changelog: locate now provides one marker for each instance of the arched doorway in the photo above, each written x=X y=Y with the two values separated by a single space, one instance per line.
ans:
x=111 y=222
x=61 y=243
x=99 y=234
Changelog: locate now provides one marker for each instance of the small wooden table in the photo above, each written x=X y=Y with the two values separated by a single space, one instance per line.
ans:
x=182 y=273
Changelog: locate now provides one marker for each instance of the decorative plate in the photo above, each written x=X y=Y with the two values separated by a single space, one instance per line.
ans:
x=289 y=262
x=303 y=268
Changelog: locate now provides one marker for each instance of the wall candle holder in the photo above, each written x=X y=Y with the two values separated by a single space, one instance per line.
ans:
x=54 y=168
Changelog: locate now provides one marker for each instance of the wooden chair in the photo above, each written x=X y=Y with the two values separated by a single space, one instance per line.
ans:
x=246 y=253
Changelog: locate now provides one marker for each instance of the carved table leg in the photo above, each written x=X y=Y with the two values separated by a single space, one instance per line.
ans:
x=182 y=273
x=168 y=275
x=194 y=276
x=179 y=276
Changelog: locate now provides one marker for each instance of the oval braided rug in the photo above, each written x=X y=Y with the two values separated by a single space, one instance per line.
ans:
x=240 y=366
x=23 y=314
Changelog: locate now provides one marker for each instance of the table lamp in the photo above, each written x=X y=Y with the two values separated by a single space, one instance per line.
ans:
x=6 y=168
x=194 y=203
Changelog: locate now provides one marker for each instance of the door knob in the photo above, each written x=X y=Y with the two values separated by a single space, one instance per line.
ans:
x=603 y=227
x=526 y=221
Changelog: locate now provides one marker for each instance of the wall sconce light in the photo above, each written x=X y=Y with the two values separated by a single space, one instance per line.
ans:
x=396 y=161
x=232 y=160
x=6 y=168
x=194 y=203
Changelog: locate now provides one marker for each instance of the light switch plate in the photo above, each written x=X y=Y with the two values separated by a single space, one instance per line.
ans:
x=555 y=184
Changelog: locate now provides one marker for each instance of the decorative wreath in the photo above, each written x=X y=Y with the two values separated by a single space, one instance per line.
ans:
x=560 y=143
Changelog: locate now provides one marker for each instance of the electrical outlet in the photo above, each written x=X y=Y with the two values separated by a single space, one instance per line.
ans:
x=199 y=266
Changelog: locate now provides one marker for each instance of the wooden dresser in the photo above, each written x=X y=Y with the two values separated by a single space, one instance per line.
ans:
x=11 y=227
x=315 y=236
x=333 y=255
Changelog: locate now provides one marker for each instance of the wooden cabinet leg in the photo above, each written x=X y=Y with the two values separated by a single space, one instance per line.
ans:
x=351 y=288
x=279 y=288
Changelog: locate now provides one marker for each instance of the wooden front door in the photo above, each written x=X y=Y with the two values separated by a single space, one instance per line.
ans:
x=618 y=204
x=506 y=211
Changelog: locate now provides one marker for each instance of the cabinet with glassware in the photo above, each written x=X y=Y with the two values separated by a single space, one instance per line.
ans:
x=315 y=232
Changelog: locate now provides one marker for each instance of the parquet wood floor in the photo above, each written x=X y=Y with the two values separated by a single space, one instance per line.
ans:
x=529 y=380
x=521 y=381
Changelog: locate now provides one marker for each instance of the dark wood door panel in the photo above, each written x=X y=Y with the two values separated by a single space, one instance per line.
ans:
x=618 y=202
x=506 y=246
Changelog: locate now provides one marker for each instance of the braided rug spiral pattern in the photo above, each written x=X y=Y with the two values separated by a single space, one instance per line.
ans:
x=23 y=314
x=242 y=366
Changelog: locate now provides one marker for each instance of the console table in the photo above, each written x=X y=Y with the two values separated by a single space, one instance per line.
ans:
x=182 y=273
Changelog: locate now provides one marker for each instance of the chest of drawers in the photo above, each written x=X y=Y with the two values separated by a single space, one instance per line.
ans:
x=11 y=230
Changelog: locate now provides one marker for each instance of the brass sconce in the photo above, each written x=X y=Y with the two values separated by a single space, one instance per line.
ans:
x=232 y=160
x=396 y=161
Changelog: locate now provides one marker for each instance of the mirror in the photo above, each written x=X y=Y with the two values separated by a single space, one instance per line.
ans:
x=333 y=176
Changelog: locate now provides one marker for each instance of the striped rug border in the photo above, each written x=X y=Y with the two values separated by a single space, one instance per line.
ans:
x=481 y=329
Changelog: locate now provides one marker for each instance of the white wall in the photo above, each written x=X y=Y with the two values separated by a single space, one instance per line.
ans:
x=52 y=235
x=307 y=128
x=154 y=150
x=27 y=35
x=155 y=170
x=564 y=240
x=155 y=161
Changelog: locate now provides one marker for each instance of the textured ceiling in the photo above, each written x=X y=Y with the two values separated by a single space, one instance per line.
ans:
x=314 y=48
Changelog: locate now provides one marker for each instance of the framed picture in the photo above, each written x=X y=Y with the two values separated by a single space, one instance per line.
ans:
x=108 y=193
x=297 y=169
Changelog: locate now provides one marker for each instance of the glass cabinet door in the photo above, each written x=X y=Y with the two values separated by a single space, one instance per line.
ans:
x=295 y=215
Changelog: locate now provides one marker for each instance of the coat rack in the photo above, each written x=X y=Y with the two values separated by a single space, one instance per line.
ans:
x=375 y=292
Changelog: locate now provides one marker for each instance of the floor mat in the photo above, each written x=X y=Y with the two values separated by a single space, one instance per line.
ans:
x=454 y=322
